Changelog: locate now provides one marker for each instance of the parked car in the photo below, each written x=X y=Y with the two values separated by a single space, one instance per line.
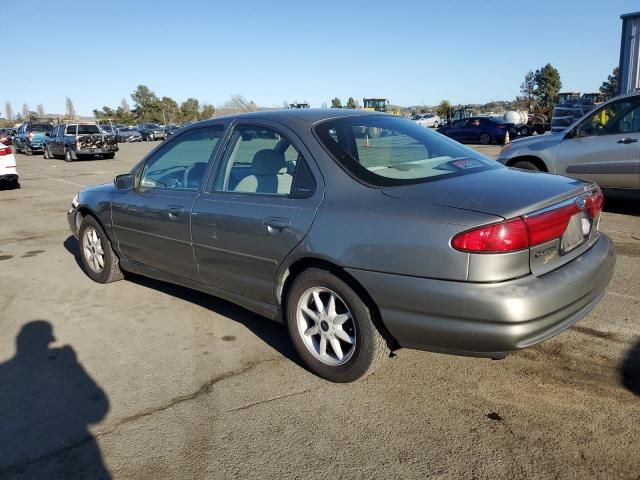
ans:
x=151 y=131
x=360 y=245
x=30 y=136
x=6 y=135
x=603 y=146
x=482 y=130
x=73 y=141
x=126 y=134
x=171 y=129
x=8 y=170
x=427 y=120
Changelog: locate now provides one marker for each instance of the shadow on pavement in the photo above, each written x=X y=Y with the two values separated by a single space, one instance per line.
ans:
x=272 y=333
x=47 y=402
x=631 y=369
x=624 y=202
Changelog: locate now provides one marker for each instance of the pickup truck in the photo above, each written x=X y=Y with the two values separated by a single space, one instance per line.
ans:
x=30 y=137
x=73 y=141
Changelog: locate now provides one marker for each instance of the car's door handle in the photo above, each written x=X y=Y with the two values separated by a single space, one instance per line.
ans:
x=175 y=212
x=628 y=140
x=276 y=224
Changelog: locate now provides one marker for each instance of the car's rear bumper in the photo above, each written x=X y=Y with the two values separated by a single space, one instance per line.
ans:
x=95 y=151
x=489 y=319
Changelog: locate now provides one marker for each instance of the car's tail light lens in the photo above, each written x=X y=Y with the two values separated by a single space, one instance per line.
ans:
x=498 y=237
x=5 y=151
x=595 y=204
x=521 y=233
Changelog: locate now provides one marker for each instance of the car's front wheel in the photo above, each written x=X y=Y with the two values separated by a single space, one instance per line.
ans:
x=46 y=154
x=99 y=260
x=332 y=327
x=525 y=165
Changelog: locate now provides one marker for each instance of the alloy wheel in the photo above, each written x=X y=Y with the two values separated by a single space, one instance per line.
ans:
x=92 y=249
x=326 y=326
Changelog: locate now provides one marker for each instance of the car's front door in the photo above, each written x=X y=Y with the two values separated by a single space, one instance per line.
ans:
x=605 y=147
x=152 y=221
x=55 y=142
x=458 y=130
x=260 y=206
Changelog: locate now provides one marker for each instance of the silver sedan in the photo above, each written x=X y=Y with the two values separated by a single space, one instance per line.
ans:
x=603 y=147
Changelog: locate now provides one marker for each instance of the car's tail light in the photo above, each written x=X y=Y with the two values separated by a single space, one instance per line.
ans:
x=498 y=237
x=595 y=204
x=525 y=232
x=5 y=151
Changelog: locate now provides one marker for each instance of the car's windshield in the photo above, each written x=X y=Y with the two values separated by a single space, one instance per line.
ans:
x=87 y=129
x=388 y=151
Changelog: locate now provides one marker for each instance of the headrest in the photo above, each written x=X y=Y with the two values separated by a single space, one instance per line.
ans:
x=267 y=162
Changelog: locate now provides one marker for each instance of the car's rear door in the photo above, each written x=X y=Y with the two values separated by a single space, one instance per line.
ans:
x=605 y=147
x=255 y=212
x=152 y=221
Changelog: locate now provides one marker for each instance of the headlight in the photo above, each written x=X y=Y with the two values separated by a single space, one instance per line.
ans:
x=76 y=201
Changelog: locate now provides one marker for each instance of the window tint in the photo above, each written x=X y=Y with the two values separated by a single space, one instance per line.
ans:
x=615 y=118
x=387 y=151
x=88 y=129
x=258 y=160
x=183 y=163
x=72 y=129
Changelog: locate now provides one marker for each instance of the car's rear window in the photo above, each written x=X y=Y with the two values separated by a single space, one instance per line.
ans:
x=39 y=127
x=386 y=151
x=88 y=129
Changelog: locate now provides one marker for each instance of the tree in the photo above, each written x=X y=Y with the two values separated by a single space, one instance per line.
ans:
x=190 y=110
x=240 y=103
x=146 y=104
x=25 y=111
x=610 y=86
x=125 y=106
x=336 y=103
x=40 y=110
x=548 y=84
x=351 y=103
x=207 y=111
x=8 y=111
x=528 y=91
x=170 y=109
x=71 y=112
x=444 y=109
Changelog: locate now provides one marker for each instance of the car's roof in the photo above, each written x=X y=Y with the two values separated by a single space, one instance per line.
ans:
x=305 y=115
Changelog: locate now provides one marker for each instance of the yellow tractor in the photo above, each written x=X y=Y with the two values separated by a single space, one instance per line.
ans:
x=379 y=105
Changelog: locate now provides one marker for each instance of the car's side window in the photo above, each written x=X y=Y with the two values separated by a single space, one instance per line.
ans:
x=615 y=118
x=258 y=160
x=72 y=129
x=183 y=163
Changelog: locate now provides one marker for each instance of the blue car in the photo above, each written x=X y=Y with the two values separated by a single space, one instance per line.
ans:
x=482 y=130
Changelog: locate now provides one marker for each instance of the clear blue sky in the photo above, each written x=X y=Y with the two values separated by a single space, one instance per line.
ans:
x=270 y=51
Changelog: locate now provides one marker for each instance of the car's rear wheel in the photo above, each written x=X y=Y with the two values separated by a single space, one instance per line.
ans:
x=436 y=124
x=332 y=327
x=525 y=131
x=99 y=260
x=525 y=165
x=485 y=138
x=67 y=155
x=46 y=154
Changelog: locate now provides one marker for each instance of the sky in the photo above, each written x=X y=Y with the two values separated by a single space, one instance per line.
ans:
x=412 y=52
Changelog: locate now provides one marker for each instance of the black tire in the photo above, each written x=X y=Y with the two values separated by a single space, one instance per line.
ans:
x=46 y=153
x=525 y=165
x=370 y=349
x=109 y=156
x=111 y=271
x=28 y=152
x=485 y=138
x=67 y=155
x=525 y=131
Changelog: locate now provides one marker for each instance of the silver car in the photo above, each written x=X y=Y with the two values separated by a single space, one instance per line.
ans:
x=603 y=147
x=360 y=245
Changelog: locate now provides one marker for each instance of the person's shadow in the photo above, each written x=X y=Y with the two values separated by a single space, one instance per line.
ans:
x=47 y=402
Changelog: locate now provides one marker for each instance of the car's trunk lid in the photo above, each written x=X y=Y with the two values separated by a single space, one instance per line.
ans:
x=509 y=194
x=503 y=192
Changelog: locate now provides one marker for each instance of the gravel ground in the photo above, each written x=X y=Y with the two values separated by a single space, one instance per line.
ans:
x=144 y=380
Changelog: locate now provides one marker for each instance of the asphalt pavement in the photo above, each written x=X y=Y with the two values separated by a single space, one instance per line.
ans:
x=143 y=380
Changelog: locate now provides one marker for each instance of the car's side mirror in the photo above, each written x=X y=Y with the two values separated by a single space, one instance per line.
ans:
x=126 y=181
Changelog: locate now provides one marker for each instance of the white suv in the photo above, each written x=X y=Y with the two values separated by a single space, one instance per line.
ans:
x=8 y=171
